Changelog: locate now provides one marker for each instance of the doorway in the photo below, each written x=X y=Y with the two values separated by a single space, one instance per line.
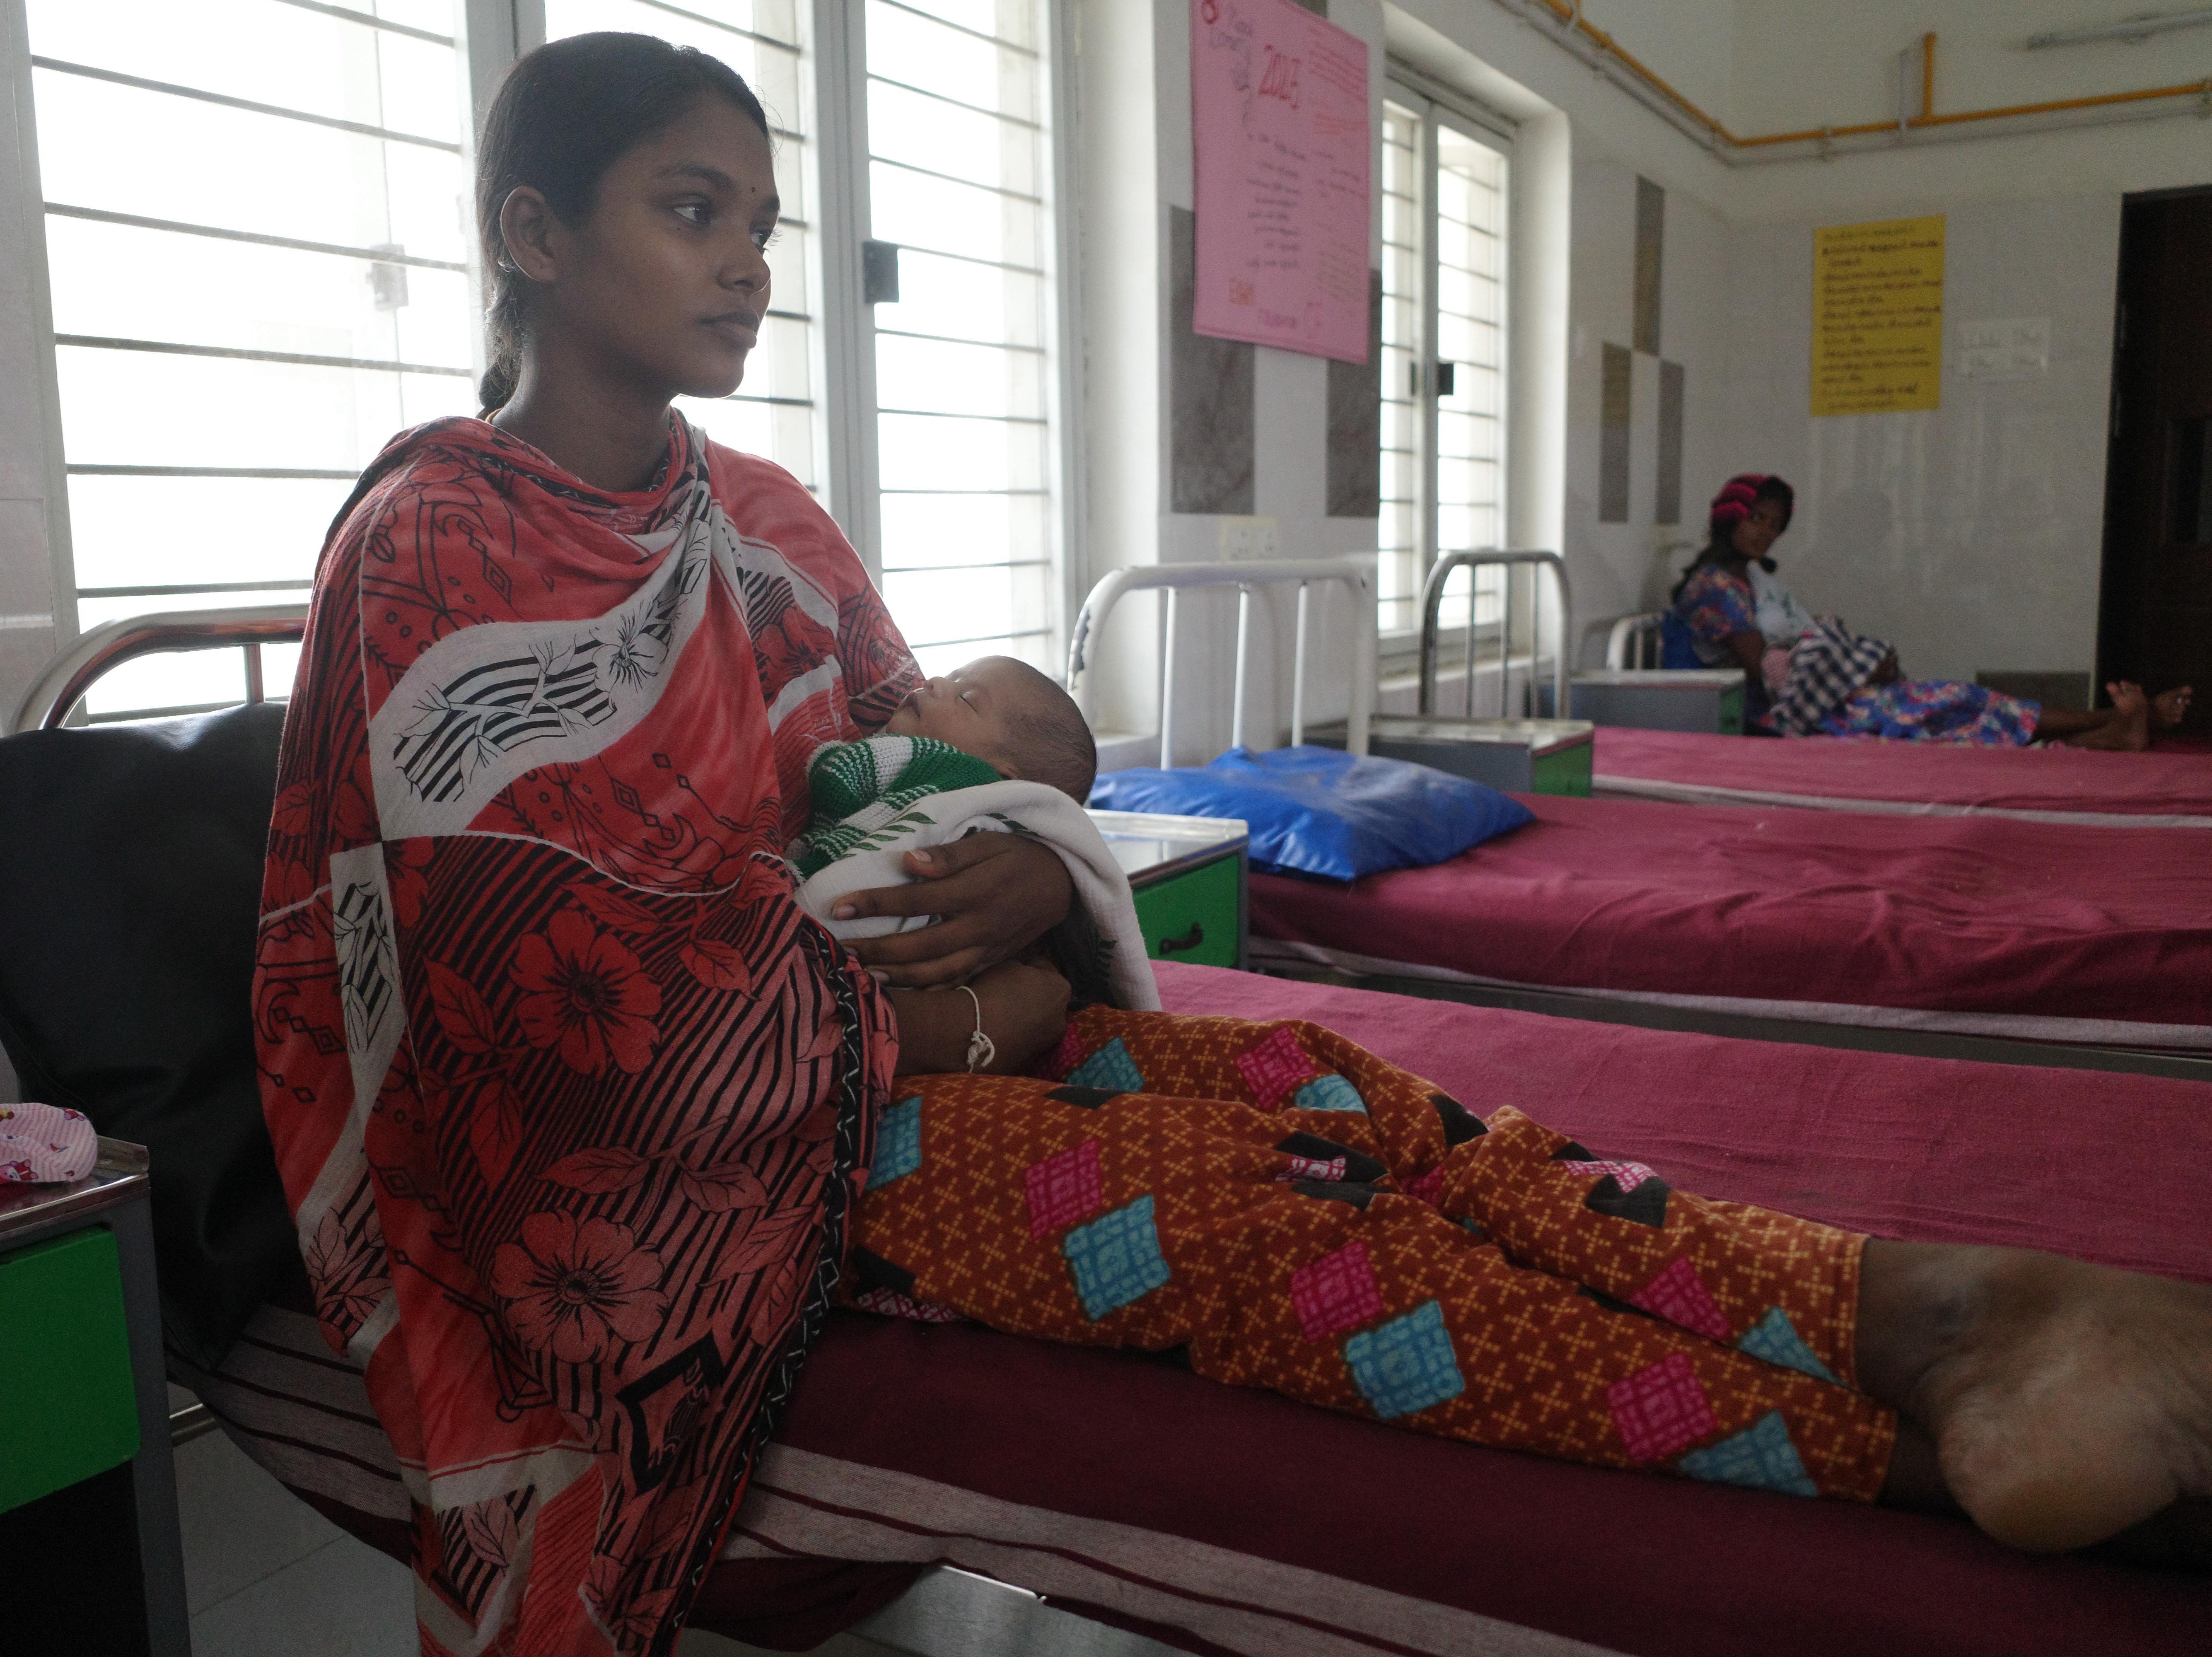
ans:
x=2155 y=621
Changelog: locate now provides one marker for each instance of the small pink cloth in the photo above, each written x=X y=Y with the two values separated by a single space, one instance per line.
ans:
x=45 y=1144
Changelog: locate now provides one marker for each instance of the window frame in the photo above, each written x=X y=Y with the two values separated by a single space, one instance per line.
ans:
x=1435 y=104
x=491 y=35
x=840 y=49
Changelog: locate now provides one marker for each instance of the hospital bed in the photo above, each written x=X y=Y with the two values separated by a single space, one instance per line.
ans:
x=1122 y=1505
x=1681 y=763
x=1963 y=936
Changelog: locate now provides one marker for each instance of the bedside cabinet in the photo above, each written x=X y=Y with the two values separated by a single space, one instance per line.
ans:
x=1187 y=875
x=81 y=1370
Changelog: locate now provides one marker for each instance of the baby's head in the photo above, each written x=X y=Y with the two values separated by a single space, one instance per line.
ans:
x=1010 y=716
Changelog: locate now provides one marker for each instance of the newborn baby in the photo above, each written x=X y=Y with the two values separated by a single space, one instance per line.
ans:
x=1010 y=716
x=994 y=746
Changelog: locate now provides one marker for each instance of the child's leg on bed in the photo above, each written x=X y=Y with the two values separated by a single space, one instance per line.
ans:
x=1782 y=1289
x=1098 y=1213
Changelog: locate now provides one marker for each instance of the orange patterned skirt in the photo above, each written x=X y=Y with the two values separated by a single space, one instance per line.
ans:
x=1298 y=1214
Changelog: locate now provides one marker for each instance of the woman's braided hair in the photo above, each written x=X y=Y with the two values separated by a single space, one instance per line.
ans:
x=564 y=114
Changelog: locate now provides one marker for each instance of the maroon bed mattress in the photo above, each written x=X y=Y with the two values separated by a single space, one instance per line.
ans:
x=2161 y=789
x=1976 y=925
x=1222 y=1519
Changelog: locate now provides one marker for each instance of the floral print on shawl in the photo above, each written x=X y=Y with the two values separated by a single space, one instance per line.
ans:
x=570 y=1100
x=1713 y=604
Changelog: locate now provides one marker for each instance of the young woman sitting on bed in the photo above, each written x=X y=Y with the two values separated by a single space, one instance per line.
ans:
x=1806 y=677
x=574 y=1107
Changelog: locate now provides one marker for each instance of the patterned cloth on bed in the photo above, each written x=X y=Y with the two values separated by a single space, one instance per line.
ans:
x=1297 y=1214
x=1935 y=710
x=1826 y=693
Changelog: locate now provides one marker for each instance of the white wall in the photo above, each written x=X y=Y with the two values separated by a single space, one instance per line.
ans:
x=1969 y=536
x=1134 y=57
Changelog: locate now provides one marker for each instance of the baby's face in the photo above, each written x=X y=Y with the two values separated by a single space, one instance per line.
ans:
x=971 y=707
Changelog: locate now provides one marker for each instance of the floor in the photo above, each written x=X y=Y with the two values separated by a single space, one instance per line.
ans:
x=266 y=1575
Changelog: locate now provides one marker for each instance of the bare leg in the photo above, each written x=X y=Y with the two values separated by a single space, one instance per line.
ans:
x=2123 y=727
x=2068 y=1404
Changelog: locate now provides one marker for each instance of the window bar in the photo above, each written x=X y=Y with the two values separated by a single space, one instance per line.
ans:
x=1299 y=676
x=224 y=101
x=178 y=226
x=253 y=684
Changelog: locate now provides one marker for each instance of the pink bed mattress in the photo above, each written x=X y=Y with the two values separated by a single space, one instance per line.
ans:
x=2162 y=789
x=1224 y=1521
x=1973 y=925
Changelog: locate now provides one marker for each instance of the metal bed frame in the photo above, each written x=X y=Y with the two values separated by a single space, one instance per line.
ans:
x=950 y=1612
x=1432 y=598
x=1593 y=1007
x=1635 y=643
x=1173 y=578
x=54 y=694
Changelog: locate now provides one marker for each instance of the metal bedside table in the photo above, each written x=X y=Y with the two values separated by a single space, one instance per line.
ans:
x=81 y=1362
x=1188 y=876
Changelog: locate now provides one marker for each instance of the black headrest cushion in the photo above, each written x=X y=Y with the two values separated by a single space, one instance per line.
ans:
x=130 y=880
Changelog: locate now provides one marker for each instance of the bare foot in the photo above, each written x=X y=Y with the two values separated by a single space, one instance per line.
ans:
x=2068 y=1403
x=2126 y=729
x=2168 y=707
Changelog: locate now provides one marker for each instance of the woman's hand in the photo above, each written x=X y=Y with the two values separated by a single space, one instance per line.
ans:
x=994 y=895
x=1025 y=1012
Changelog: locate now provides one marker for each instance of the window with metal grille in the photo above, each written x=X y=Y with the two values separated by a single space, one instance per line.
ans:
x=775 y=413
x=958 y=146
x=257 y=234
x=1445 y=293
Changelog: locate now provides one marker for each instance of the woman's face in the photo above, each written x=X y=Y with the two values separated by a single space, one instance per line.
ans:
x=667 y=281
x=1754 y=536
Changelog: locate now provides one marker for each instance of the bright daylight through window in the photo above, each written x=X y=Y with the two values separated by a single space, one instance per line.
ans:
x=1444 y=297
x=958 y=177
x=248 y=308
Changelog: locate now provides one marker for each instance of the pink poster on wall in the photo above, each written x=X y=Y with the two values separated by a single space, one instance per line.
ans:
x=1279 y=113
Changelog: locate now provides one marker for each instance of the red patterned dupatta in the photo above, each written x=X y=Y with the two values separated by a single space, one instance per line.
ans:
x=570 y=1099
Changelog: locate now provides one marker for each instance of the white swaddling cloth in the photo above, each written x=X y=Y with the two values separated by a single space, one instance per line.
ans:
x=1043 y=814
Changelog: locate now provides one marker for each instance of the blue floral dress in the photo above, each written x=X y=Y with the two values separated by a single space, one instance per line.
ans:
x=1713 y=603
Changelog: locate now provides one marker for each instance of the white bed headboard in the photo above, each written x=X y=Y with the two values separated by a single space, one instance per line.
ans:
x=1353 y=573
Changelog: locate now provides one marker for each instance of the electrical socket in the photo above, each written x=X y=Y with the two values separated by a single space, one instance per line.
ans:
x=1245 y=539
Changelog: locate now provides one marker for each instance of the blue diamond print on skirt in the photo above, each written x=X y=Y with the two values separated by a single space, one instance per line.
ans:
x=1109 y=1067
x=1328 y=1093
x=1761 y=1456
x=1406 y=1364
x=898 y=1143
x=1776 y=1339
x=1116 y=1258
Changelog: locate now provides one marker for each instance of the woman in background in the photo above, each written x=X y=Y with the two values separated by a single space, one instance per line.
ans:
x=1808 y=677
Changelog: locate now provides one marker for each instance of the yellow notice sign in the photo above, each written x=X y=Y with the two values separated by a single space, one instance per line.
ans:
x=1878 y=317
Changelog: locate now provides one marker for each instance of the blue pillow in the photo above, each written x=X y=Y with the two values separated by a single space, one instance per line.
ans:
x=1322 y=812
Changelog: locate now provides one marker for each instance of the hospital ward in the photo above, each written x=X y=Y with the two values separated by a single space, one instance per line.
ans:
x=1105 y=827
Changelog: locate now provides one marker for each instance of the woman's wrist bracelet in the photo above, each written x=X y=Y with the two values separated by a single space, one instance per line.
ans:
x=981 y=1052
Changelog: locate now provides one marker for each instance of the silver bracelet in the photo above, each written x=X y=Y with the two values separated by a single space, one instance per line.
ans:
x=980 y=1053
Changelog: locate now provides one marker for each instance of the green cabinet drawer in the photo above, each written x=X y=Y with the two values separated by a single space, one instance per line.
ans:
x=64 y=1366
x=1732 y=711
x=1564 y=771
x=1193 y=916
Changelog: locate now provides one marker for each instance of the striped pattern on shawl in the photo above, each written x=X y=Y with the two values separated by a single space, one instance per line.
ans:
x=570 y=1100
